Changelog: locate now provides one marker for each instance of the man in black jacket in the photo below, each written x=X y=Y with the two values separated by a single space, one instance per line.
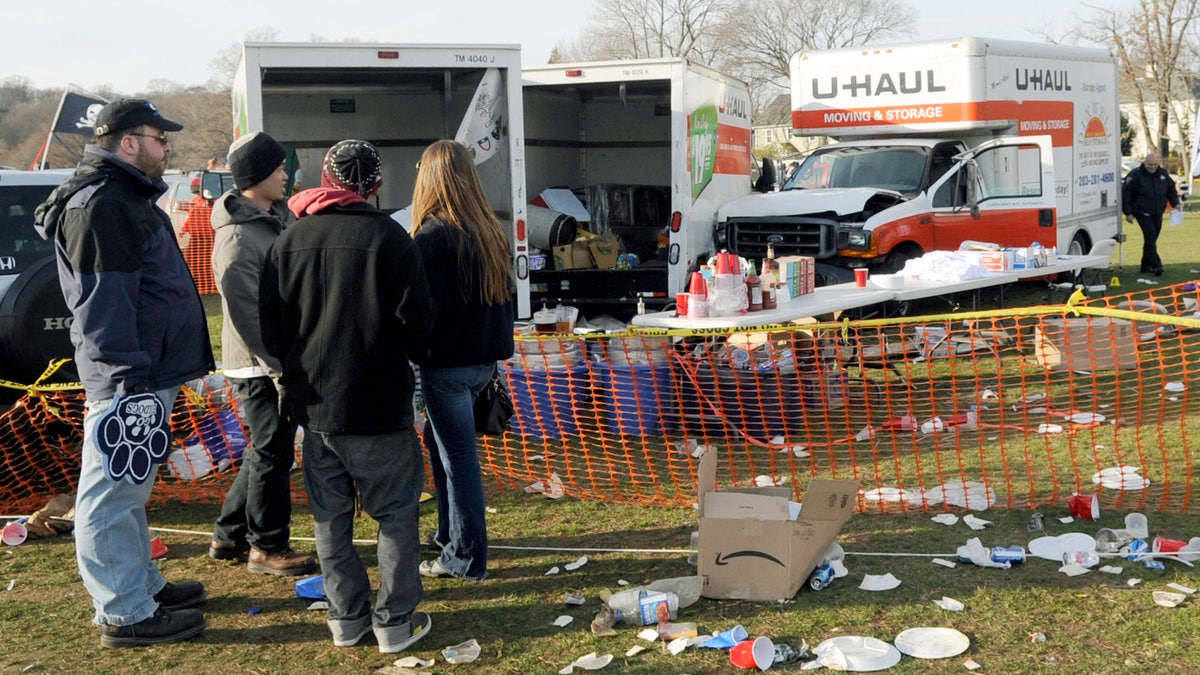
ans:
x=342 y=294
x=138 y=327
x=1147 y=191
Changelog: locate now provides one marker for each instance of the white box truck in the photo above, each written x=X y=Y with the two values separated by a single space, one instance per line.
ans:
x=941 y=142
x=654 y=147
x=401 y=98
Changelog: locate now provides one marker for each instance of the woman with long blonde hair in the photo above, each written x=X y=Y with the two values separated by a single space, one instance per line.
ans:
x=467 y=262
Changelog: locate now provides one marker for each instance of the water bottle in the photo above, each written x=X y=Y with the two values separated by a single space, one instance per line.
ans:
x=1087 y=559
x=643 y=607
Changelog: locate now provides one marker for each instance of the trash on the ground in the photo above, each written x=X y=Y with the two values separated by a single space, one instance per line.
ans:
x=1175 y=387
x=889 y=494
x=726 y=639
x=975 y=523
x=1089 y=559
x=1050 y=429
x=988 y=395
x=1037 y=637
x=677 y=645
x=1053 y=548
x=413 y=662
x=1132 y=581
x=1066 y=520
x=668 y=630
x=635 y=650
x=563 y=620
x=253 y=611
x=867 y=433
x=1121 y=478
x=1073 y=570
x=1168 y=599
x=857 y=653
x=944 y=563
x=622 y=582
x=1137 y=526
x=571 y=567
x=800 y=451
x=605 y=619
x=879 y=582
x=552 y=570
x=949 y=604
x=319 y=605
x=967 y=494
x=570 y=598
x=970 y=664
x=931 y=642
x=1181 y=588
x=648 y=634
x=11 y=583
x=1111 y=569
x=945 y=519
x=588 y=662
x=463 y=652
x=311 y=588
x=974 y=552
x=785 y=653
x=1037 y=522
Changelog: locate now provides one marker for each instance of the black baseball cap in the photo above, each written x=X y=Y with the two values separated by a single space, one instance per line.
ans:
x=127 y=113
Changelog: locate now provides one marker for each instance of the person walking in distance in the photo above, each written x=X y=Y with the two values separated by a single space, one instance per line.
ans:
x=255 y=518
x=342 y=296
x=1145 y=194
x=469 y=269
x=139 y=333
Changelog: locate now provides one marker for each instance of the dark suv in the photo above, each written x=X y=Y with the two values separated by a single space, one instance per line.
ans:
x=34 y=321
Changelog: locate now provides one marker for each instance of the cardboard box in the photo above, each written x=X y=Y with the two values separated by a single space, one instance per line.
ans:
x=751 y=549
x=798 y=274
x=564 y=257
x=583 y=256
x=1085 y=343
x=997 y=261
x=604 y=253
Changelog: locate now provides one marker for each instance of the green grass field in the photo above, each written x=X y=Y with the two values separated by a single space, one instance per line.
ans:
x=1095 y=623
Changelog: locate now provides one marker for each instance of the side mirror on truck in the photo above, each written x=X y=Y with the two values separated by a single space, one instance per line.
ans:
x=766 y=176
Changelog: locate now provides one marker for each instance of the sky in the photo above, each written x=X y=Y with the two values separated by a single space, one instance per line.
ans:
x=59 y=42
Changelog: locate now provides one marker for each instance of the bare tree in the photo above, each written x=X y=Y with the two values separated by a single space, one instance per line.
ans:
x=225 y=63
x=1155 y=44
x=640 y=29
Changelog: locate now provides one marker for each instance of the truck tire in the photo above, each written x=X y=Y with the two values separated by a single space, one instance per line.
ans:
x=1080 y=244
x=894 y=262
x=35 y=326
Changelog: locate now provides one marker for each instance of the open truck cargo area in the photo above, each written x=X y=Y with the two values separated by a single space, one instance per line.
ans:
x=652 y=148
x=400 y=98
x=941 y=142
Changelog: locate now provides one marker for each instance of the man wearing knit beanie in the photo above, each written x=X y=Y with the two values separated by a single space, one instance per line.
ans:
x=343 y=295
x=256 y=516
x=253 y=158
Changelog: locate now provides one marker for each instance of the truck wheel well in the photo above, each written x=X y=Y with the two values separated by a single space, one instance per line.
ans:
x=1081 y=243
x=900 y=254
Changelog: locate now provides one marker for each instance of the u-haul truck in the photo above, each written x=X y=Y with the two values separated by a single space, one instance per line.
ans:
x=941 y=142
x=401 y=98
x=657 y=146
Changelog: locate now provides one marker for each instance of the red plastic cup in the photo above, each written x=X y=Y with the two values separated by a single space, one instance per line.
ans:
x=157 y=548
x=681 y=303
x=1164 y=545
x=14 y=533
x=757 y=653
x=699 y=285
x=1084 y=507
x=860 y=277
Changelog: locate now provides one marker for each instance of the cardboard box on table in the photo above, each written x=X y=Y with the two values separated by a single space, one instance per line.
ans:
x=750 y=548
x=1085 y=343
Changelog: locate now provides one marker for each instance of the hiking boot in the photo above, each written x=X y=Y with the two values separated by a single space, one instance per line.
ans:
x=162 y=627
x=221 y=551
x=182 y=595
x=285 y=563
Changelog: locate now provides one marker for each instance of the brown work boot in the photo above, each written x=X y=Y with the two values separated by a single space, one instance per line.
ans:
x=285 y=563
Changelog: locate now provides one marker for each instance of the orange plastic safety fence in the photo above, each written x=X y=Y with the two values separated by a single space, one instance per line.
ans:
x=196 y=241
x=1007 y=409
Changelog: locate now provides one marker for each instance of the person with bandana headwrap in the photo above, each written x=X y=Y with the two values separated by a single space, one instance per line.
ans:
x=341 y=296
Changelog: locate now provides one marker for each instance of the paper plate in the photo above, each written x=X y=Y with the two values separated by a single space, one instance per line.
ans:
x=1053 y=548
x=1121 y=478
x=889 y=494
x=1087 y=418
x=861 y=654
x=932 y=642
x=879 y=582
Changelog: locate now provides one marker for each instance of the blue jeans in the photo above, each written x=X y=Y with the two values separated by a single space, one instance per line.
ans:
x=112 y=536
x=387 y=473
x=450 y=438
x=258 y=507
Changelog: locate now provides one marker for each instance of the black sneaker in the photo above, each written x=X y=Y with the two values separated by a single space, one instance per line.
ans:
x=163 y=627
x=182 y=595
x=222 y=551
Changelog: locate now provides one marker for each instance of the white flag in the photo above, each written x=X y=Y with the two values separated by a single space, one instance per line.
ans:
x=480 y=128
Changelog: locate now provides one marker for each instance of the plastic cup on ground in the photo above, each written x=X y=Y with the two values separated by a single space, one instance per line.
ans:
x=860 y=277
x=728 y=639
x=1084 y=507
x=14 y=533
x=157 y=548
x=1164 y=545
x=757 y=653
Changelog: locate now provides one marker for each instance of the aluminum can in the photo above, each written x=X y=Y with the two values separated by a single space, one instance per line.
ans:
x=821 y=577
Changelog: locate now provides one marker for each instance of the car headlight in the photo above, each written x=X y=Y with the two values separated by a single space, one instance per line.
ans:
x=856 y=238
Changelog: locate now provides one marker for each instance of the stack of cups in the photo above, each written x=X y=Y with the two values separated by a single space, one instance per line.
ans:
x=697 y=302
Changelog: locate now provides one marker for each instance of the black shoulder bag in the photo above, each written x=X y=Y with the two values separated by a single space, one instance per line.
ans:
x=493 y=407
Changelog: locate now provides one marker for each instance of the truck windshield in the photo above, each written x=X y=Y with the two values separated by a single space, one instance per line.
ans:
x=898 y=168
